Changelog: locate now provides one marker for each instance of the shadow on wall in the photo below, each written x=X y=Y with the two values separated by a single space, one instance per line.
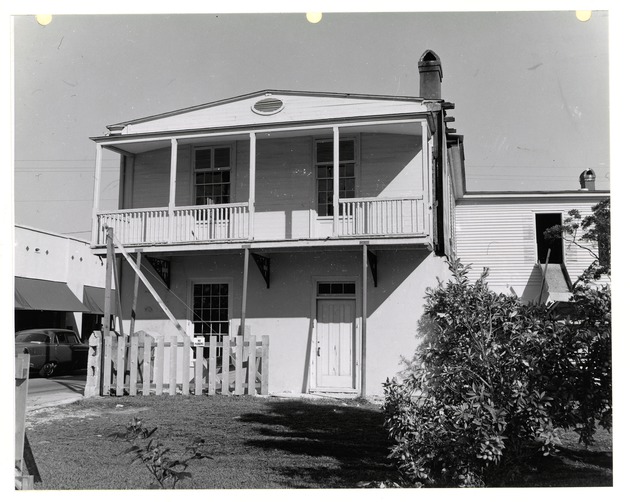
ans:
x=345 y=444
x=531 y=293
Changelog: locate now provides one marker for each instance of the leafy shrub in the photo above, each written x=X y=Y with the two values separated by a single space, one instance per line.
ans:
x=166 y=467
x=492 y=377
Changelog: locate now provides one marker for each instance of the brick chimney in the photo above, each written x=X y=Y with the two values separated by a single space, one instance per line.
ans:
x=430 y=69
x=587 y=180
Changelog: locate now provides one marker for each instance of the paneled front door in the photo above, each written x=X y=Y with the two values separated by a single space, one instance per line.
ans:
x=336 y=344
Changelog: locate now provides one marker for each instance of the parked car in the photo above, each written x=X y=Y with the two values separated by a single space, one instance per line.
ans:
x=52 y=350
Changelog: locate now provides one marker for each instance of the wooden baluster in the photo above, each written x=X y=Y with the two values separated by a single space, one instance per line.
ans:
x=133 y=363
x=159 y=366
x=198 y=370
x=186 y=367
x=251 y=367
x=238 y=366
x=172 y=372
x=212 y=366
x=225 y=369
x=146 y=341
x=264 y=366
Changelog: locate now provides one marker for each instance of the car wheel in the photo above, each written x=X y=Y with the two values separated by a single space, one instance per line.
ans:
x=48 y=369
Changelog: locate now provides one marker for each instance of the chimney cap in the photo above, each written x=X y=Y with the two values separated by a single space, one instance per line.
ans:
x=587 y=179
x=430 y=61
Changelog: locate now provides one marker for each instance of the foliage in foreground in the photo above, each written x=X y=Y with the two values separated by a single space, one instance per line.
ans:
x=493 y=378
x=166 y=467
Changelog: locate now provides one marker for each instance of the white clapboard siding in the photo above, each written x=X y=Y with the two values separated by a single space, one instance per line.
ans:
x=297 y=107
x=501 y=235
x=151 y=178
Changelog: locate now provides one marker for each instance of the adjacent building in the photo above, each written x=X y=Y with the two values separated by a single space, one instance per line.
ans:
x=59 y=282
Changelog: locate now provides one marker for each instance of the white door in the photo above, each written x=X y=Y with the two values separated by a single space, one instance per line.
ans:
x=335 y=344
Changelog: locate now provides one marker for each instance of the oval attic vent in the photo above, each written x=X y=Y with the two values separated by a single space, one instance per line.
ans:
x=268 y=106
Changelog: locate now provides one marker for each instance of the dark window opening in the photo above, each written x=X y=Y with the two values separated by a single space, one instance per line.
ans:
x=544 y=222
x=336 y=288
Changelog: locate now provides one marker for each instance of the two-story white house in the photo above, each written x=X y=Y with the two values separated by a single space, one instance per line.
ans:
x=318 y=219
x=315 y=218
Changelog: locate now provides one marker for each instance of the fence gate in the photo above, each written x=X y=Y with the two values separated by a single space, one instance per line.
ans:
x=142 y=364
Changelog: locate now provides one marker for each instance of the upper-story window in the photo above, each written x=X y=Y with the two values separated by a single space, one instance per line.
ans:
x=212 y=175
x=553 y=248
x=324 y=167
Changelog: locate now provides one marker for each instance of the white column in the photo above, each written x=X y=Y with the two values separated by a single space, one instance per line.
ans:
x=171 y=190
x=97 y=193
x=335 y=181
x=364 y=288
x=252 y=182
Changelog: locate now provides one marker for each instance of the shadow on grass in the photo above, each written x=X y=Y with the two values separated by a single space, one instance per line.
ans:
x=568 y=467
x=334 y=444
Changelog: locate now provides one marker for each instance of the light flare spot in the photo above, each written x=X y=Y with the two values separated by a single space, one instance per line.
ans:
x=314 y=17
x=43 y=19
x=583 y=15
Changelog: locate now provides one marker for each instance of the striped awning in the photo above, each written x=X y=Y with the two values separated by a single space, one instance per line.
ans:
x=39 y=294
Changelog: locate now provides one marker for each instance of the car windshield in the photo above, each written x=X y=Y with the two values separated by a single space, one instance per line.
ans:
x=32 y=337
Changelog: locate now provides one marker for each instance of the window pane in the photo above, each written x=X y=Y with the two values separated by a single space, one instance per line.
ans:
x=222 y=157
x=203 y=158
x=324 y=151
x=346 y=150
x=323 y=288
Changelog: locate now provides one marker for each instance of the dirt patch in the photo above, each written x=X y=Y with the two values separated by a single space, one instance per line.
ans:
x=53 y=413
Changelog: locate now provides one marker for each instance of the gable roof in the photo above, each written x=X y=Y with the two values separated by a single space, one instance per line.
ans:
x=270 y=107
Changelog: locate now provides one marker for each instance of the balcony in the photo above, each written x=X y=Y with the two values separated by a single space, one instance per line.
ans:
x=358 y=217
x=214 y=223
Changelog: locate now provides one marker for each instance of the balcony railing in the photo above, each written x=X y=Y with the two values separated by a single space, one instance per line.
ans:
x=374 y=217
x=222 y=222
x=382 y=217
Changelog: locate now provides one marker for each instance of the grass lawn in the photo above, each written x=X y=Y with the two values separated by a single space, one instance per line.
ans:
x=254 y=443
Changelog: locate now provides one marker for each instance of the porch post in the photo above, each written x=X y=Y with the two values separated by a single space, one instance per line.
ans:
x=134 y=302
x=252 y=182
x=97 y=193
x=364 y=289
x=427 y=175
x=244 y=299
x=335 y=181
x=171 y=191
x=107 y=311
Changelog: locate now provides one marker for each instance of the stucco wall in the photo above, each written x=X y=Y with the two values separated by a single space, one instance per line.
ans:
x=285 y=311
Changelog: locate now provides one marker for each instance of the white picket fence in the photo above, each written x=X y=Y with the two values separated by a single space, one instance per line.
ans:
x=142 y=364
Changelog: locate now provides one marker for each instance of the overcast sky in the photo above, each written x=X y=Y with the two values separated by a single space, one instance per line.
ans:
x=530 y=88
